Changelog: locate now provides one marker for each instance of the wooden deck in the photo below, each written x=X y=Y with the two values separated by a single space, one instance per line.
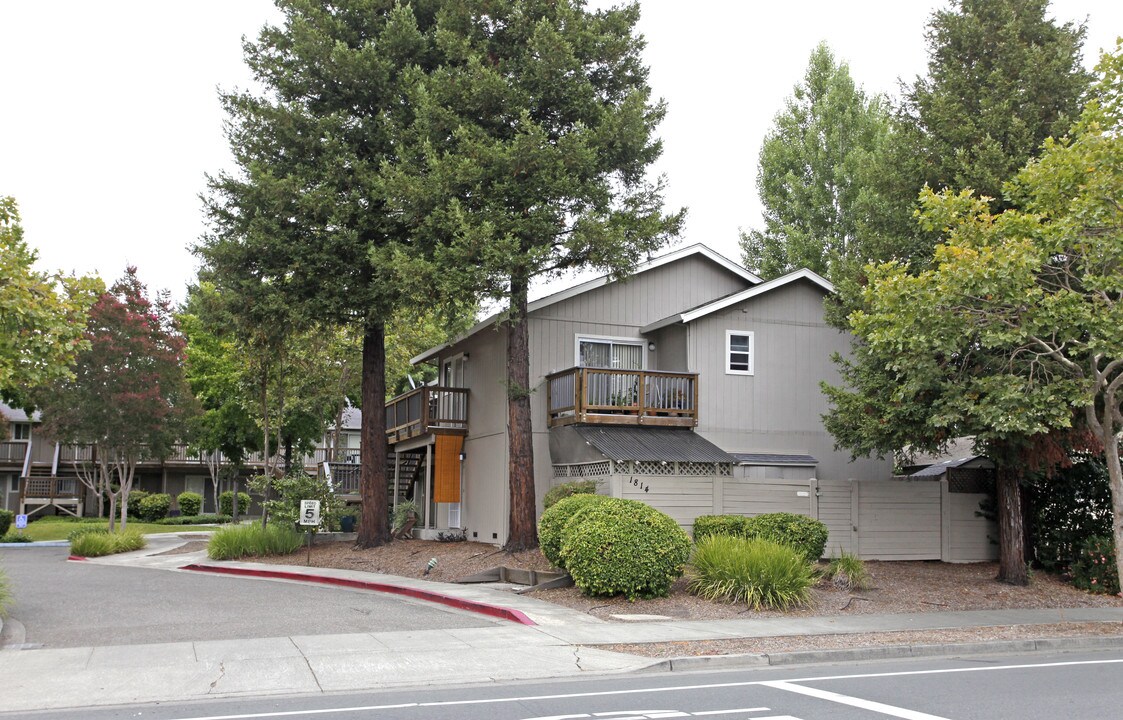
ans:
x=622 y=397
x=431 y=409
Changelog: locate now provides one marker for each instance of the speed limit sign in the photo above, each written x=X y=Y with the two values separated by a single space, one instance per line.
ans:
x=309 y=512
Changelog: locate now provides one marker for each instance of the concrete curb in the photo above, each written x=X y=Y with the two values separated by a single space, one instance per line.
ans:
x=892 y=652
x=37 y=543
x=496 y=611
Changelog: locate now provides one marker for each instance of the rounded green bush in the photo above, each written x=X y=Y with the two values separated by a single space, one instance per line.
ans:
x=6 y=518
x=624 y=547
x=759 y=573
x=153 y=507
x=136 y=497
x=190 y=503
x=569 y=489
x=553 y=522
x=707 y=525
x=226 y=503
x=804 y=534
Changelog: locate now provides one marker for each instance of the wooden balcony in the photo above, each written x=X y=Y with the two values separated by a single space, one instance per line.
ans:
x=430 y=409
x=13 y=452
x=622 y=397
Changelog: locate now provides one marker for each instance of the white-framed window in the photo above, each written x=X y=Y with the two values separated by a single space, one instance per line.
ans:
x=610 y=352
x=739 y=352
x=21 y=431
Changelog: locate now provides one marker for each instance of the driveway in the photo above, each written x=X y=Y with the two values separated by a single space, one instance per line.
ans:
x=75 y=604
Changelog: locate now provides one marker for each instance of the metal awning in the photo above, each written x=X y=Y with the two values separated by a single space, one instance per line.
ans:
x=652 y=444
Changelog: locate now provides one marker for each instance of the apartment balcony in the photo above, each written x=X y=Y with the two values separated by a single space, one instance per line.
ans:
x=427 y=410
x=622 y=397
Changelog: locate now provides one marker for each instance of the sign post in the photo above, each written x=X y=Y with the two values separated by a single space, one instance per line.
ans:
x=21 y=523
x=310 y=517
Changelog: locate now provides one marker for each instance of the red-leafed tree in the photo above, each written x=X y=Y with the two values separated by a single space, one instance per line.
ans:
x=128 y=399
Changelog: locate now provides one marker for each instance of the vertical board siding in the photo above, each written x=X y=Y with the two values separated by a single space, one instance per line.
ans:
x=834 y=512
x=973 y=538
x=899 y=520
x=683 y=498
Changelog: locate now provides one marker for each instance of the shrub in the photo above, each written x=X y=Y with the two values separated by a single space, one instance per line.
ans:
x=6 y=518
x=15 y=537
x=190 y=503
x=624 y=547
x=238 y=541
x=848 y=572
x=136 y=497
x=553 y=522
x=759 y=573
x=291 y=489
x=153 y=507
x=707 y=525
x=226 y=503
x=400 y=515
x=94 y=544
x=1094 y=567
x=559 y=492
x=195 y=520
x=805 y=534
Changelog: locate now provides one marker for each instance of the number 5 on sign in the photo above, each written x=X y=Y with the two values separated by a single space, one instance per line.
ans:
x=309 y=512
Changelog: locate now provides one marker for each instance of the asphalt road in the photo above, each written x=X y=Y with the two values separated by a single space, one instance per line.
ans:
x=1036 y=687
x=74 y=604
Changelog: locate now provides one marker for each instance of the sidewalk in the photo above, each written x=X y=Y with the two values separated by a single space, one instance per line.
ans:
x=537 y=640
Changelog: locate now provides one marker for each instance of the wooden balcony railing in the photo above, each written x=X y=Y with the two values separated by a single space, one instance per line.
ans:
x=50 y=488
x=13 y=451
x=429 y=409
x=622 y=397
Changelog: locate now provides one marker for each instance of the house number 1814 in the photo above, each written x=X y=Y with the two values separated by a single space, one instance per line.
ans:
x=636 y=483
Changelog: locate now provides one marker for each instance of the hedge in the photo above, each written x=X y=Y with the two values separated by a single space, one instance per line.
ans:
x=804 y=534
x=190 y=503
x=553 y=524
x=569 y=489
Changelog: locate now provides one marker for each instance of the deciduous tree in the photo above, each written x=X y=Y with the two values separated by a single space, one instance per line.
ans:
x=128 y=398
x=42 y=315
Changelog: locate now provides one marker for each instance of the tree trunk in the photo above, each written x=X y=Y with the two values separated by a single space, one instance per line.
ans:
x=374 y=529
x=1011 y=533
x=288 y=457
x=522 y=531
x=1115 y=481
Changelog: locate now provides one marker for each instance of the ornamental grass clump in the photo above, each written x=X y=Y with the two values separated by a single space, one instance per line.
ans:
x=848 y=572
x=554 y=521
x=238 y=541
x=96 y=544
x=624 y=547
x=759 y=573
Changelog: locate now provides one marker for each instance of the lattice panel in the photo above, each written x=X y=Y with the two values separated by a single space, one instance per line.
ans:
x=561 y=471
x=695 y=468
x=648 y=467
x=724 y=469
x=970 y=480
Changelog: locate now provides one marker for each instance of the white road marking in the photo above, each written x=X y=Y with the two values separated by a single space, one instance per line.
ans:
x=703 y=713
x=877 y=707
x=637 y=691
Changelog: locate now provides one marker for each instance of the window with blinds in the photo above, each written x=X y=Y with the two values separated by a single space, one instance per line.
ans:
x=615 y=354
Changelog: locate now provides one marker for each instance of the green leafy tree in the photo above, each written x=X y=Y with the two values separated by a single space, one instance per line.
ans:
x=1015 y=325
x=303 y=221
x=1002 y=77
x=811 y=171
x=128 y=398
x=526 y=157
x=42 y=316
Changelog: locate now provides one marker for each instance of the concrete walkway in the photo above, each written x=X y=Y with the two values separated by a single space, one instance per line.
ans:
x=537 y=640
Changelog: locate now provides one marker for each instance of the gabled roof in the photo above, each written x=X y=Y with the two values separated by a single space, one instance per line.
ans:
x=735 y=298
x=697 y=249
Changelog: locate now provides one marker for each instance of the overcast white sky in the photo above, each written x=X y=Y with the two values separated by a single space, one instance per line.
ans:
x=109 y=115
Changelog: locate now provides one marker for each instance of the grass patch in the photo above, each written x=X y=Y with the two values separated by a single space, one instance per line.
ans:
x=5 y=594
x=759 y=573
x=239 y=541
x=52 y=529
x=96 y=544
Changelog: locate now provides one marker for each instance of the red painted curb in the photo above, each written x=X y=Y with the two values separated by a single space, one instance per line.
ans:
x=77 y=558
x=496 y=611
